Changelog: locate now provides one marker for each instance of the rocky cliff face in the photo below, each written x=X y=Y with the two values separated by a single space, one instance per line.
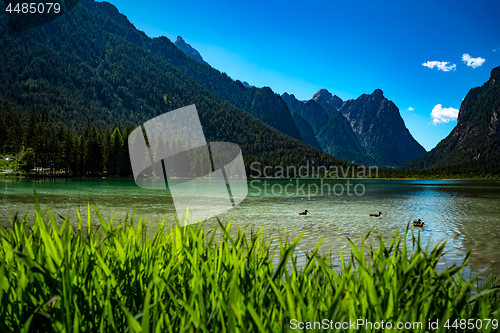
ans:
x=189 y=50
x=474 y=144
x=381 y=130
x=367 y=130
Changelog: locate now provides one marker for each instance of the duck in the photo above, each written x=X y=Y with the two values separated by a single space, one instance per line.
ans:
x=304 y=212
x=418 y=223
x=376 y=215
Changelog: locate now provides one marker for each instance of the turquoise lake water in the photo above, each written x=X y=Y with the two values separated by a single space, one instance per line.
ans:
x=463 y=213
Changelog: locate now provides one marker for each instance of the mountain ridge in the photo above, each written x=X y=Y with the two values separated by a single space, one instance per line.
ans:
x=367 y=130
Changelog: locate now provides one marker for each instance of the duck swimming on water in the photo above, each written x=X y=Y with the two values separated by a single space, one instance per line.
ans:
x=376 y=215
x=418 y=223
x=304 y=212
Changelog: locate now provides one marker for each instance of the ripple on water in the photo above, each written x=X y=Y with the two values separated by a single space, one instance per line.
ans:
x=465 y=214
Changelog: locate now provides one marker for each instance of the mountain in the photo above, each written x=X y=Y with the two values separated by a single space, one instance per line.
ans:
x=293 y=103
x=306 y=131
x=474 y=144
x=311 y=111
x=337 y=138
x=262 y=103
x=368 y=130
x=189 y=50
x=380 y=129
x=324 y=98
x=314 y=114
x=92 y=65
x=332 y=132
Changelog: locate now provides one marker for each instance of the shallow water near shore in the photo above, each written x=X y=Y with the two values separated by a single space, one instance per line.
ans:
x=463 y=213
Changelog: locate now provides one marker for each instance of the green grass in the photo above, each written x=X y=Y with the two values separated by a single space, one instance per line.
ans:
x=96 y=276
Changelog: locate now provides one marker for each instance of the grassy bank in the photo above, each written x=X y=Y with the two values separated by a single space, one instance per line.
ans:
x=86 y=277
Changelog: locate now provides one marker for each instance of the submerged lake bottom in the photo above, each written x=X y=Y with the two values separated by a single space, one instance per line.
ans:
x=464 y=213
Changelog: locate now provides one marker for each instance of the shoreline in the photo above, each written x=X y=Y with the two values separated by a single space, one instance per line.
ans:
x=14 y=174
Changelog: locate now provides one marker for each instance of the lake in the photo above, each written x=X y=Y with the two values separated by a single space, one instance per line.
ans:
x=464 y=213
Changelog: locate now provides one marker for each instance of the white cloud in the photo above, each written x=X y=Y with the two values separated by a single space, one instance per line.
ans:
x=411 y=109
x=441 y=65
x=440 y=115
x=472 y=62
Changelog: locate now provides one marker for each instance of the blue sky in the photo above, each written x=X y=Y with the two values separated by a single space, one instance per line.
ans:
x=348 y=47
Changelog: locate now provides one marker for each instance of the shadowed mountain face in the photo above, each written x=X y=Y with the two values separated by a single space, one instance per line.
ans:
x=474 y=144
x=367 y=130
x=189 y=50
x=293 y=103
x=314 y=114
x=306 y=131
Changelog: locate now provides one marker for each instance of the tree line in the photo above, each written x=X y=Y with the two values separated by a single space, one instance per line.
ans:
x=44 y=146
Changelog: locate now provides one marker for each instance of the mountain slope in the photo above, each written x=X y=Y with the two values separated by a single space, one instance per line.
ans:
x=306 y=131
x=474 y=144
x=261 y=103
x=337 y=139
x=314 y=114
x=89 y=65
x=381 y=130
x=311 y=111
x=189 y=50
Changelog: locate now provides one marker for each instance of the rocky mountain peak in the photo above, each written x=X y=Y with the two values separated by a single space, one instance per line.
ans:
x=378 y=95
x=189 y=50
x=325 y=98
x=378 y=124
x=322 y=94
